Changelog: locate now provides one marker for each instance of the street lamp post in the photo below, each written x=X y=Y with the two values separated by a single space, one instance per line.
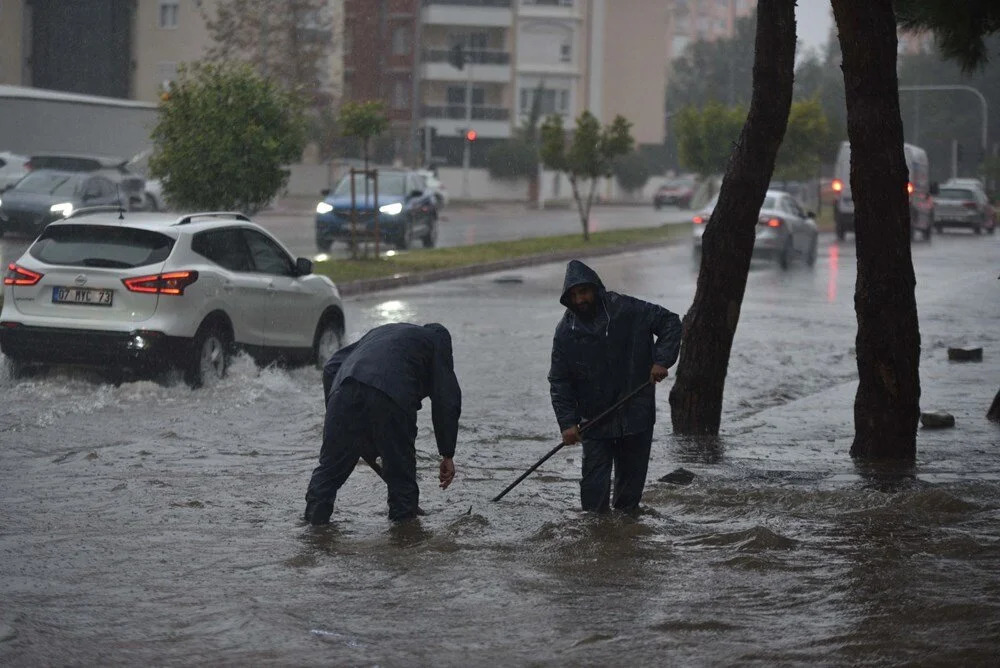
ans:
x=974 y=91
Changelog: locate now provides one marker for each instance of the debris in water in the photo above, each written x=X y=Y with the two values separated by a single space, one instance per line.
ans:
x=679 y=476
x=937 y=420
x=965 y=354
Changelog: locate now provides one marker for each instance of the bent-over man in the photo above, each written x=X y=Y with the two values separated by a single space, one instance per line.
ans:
x=373 y=391
x=606 y=345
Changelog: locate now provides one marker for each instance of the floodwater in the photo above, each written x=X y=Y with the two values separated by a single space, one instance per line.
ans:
x=147 y=523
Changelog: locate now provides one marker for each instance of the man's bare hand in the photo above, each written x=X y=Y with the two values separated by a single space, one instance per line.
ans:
x=571 y=435
x=657 y=373
x=446 y=472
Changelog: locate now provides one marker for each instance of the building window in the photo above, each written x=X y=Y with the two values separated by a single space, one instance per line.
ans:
x=400 y=95
x=565 y=52
x=168 y=14
x=400 y=41
x=166 y=72
x=456 y=96
x=551 y=102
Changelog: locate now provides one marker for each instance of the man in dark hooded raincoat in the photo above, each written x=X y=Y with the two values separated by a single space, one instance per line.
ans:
x=373 y=391
x=607 y=345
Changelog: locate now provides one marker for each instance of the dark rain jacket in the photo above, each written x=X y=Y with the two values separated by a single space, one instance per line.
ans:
x=596 y=363
x=408 y=363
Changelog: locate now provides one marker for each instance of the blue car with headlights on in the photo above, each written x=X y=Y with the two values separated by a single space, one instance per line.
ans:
x=405 y=209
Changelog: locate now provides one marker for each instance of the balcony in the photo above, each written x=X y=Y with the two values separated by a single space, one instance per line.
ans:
x=449 y=120
x=484 y=65
x=553 y=9
x=476 y=13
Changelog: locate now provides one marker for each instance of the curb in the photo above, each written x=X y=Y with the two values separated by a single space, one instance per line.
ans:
x=369 y=285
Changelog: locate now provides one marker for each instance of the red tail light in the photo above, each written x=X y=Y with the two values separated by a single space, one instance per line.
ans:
x=770 y=222
x=969 y=205
x=172 y=283
x=698 y=220
x=20 y=276
x=837 y=185
x=909 y=188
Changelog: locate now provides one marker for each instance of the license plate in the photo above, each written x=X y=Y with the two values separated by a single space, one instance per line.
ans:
x=86 y=296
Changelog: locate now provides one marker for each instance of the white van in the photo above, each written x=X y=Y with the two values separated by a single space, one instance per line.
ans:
x=918 y=186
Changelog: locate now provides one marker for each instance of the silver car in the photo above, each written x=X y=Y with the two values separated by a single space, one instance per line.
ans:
x=962 y=203
x=784 y=229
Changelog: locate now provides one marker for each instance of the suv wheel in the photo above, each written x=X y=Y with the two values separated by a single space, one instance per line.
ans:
x=405 y=238
x=209 y=356
x=328 y=340
x=811 y=254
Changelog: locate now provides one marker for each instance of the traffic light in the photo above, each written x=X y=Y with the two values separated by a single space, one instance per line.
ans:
x=457 y=57
x=470 y=135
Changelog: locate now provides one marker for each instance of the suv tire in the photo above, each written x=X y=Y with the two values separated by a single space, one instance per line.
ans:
x=208 y=357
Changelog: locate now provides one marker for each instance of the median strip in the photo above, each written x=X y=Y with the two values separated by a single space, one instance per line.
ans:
x=435 y=264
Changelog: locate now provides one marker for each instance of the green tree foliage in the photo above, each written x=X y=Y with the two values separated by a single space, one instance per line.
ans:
x=223 y=138
x=512 y=159
x=363 y=121
x=959 y=27
x=933 y=119
x=588 y=156
x=705 y=136
x=632 y=171
x=806 y=138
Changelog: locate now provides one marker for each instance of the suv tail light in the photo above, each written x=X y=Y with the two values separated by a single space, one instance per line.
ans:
x=698 y=220
x=20 y=276
x=969 y=205
x=909 y=188
x=172 y=283
x=770 y=222
x=837 y=185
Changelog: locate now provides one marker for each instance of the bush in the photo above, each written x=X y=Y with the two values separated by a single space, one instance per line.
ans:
x=512 y=159
x=223 y=138
x=632 y=171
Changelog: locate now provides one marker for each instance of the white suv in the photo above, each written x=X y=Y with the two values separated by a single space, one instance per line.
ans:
x=142 y=291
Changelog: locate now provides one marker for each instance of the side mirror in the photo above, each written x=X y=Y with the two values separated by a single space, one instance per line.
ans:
x=416 y=193
x=303 y=266
x=934 y=189
x=810 y=214
x=324 y=192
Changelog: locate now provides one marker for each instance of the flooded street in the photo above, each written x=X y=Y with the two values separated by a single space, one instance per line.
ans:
x=148 y=523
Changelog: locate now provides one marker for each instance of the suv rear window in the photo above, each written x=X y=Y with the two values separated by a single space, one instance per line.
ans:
x=956 y=193
x=101 y=246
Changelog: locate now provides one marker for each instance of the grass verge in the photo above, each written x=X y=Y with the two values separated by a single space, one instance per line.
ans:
x=434 y=259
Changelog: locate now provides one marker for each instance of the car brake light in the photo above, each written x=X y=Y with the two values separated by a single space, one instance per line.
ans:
x=909 y=188
x=769 y=221
x=837 y=185
x=172 y=283
x=969 y=205
x=20 y=276
x=698 y=220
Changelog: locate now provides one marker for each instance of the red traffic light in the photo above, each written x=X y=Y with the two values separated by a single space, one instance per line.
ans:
x=470 y=135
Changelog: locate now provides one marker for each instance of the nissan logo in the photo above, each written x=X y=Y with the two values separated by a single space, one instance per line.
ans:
x=80 y=279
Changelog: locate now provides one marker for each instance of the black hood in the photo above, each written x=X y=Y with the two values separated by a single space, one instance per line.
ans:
x=577 y=273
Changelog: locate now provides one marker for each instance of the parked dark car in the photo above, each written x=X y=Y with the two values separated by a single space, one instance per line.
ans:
x=406 y=211
x=45 y=195
x=674 y=193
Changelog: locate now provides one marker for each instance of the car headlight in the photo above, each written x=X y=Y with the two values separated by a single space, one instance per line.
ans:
x=323 y=207
x=393 y=209
x=63 y=208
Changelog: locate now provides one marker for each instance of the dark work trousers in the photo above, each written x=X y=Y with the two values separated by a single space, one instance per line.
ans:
x=630 y=457
x=364 y=422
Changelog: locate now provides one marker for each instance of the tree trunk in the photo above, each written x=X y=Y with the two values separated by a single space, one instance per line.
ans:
x=887 y=404
x=710 y=324
x=583 y=210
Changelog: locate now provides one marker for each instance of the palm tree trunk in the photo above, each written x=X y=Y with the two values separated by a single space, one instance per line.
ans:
x=887 y=404
x=710 y=324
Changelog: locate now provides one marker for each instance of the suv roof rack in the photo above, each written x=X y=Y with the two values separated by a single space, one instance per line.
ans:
x=235 y=215
x=90 y=210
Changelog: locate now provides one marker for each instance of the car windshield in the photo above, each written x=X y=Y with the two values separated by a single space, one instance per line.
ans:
x=770 y=202
x=389 y=183
x=49 y=183
x=955 y=193
x=101 y=246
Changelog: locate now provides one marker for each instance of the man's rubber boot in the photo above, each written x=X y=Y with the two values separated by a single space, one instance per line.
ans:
x=318 y=512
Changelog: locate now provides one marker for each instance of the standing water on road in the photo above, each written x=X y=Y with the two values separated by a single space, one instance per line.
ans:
x=148 y=523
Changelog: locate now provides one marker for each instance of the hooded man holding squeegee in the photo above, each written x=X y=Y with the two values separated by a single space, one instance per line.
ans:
x=374 y=388
x=606 y=347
